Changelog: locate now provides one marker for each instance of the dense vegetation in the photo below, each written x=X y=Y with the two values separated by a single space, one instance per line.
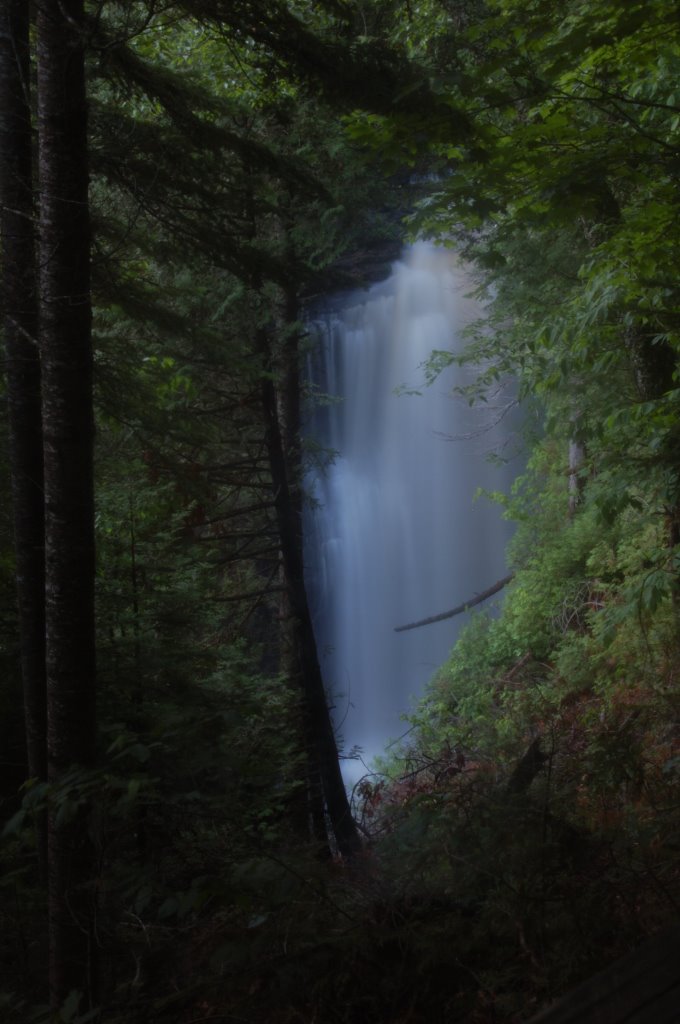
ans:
x=243 y=160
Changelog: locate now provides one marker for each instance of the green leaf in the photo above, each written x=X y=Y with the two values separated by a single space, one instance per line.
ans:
x=15 y=823
x=69 y=1009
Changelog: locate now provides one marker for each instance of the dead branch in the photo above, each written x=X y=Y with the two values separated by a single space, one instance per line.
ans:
x=477 y=599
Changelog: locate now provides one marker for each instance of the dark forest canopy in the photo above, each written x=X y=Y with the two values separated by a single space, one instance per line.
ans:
x=177 y=179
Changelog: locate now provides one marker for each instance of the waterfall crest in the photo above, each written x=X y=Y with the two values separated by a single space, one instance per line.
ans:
x=394 y=534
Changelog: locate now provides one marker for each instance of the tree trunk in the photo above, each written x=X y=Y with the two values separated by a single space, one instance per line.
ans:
x=528 y=767
x=289 y=419
x=653 y=365
x=323 y=750
x=23 y=371
x=66 y=349
x=577 y=457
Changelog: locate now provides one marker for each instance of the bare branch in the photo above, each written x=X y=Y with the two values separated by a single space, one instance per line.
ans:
x=477 y=599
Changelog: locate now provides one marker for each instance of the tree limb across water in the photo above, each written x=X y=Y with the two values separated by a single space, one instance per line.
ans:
x=477 y=599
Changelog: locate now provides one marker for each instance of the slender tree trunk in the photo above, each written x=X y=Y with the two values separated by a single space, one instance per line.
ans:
x=23 y=371
x=577 y=456
x=65 y=315
x=324 y=762
x=654 y=367
x=289 y=420
x=326 y=795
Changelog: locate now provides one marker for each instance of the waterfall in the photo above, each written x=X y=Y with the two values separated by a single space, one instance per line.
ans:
x=394 y=534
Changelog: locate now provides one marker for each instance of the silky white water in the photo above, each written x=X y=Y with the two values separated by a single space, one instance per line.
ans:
x=395 y=533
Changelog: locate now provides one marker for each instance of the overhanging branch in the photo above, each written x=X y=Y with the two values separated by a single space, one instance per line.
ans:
x=477 y=599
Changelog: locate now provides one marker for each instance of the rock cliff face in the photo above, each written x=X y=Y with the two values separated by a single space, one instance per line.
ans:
x=357 y=269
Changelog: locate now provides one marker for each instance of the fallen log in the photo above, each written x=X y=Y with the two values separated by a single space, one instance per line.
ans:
x=477 y=599
x=642 y=987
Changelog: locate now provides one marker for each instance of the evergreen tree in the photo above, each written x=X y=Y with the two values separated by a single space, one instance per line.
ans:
x=23 y=367
x=66 y=353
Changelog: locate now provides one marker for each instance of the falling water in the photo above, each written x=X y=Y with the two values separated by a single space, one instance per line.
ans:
x=395 y=534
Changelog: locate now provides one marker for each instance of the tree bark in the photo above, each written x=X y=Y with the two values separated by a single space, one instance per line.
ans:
x=68 y=430
x=653 y=365
x=323 y=750
x=287 y=373
x=577 y=457
x=23 y=371
x=528 y=767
